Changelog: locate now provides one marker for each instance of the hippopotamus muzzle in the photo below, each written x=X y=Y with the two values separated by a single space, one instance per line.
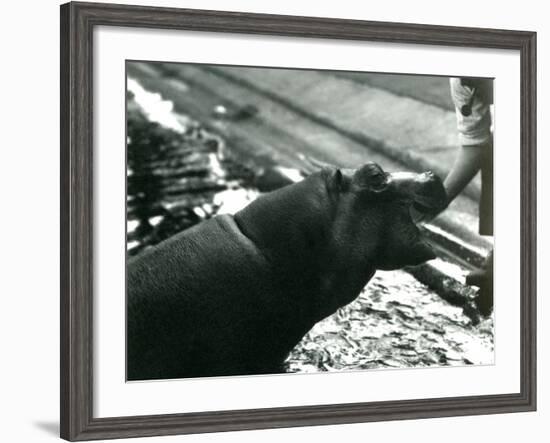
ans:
x=425 y=191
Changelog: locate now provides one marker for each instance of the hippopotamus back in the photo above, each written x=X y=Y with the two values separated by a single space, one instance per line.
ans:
x=207 y=303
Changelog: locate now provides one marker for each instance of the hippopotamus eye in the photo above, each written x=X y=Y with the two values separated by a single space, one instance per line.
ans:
x=379 y=186
x=372 y=177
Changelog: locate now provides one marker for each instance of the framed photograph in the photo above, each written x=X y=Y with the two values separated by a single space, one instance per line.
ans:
x=272 y=221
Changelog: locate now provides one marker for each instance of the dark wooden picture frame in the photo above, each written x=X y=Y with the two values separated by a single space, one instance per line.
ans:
x=77 y=213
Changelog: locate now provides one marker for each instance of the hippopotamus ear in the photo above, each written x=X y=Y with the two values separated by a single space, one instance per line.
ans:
x=338 y=178
x=372 y=177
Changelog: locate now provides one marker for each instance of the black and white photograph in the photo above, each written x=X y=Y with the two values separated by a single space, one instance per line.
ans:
x=291 y=221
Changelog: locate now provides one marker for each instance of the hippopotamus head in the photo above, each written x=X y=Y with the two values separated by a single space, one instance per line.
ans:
x=371 y=226
x=372 y=213
x=341 y=225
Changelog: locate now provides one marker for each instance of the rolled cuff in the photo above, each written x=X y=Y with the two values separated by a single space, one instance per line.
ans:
x=474 y=129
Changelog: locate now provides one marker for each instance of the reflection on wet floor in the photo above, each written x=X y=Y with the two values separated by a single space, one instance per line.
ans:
x=181 y=174
x=175 y=179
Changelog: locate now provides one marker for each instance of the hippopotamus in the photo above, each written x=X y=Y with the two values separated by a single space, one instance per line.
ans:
x=234 y=294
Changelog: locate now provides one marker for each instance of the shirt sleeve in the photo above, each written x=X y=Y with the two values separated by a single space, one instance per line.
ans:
x=473 y=129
